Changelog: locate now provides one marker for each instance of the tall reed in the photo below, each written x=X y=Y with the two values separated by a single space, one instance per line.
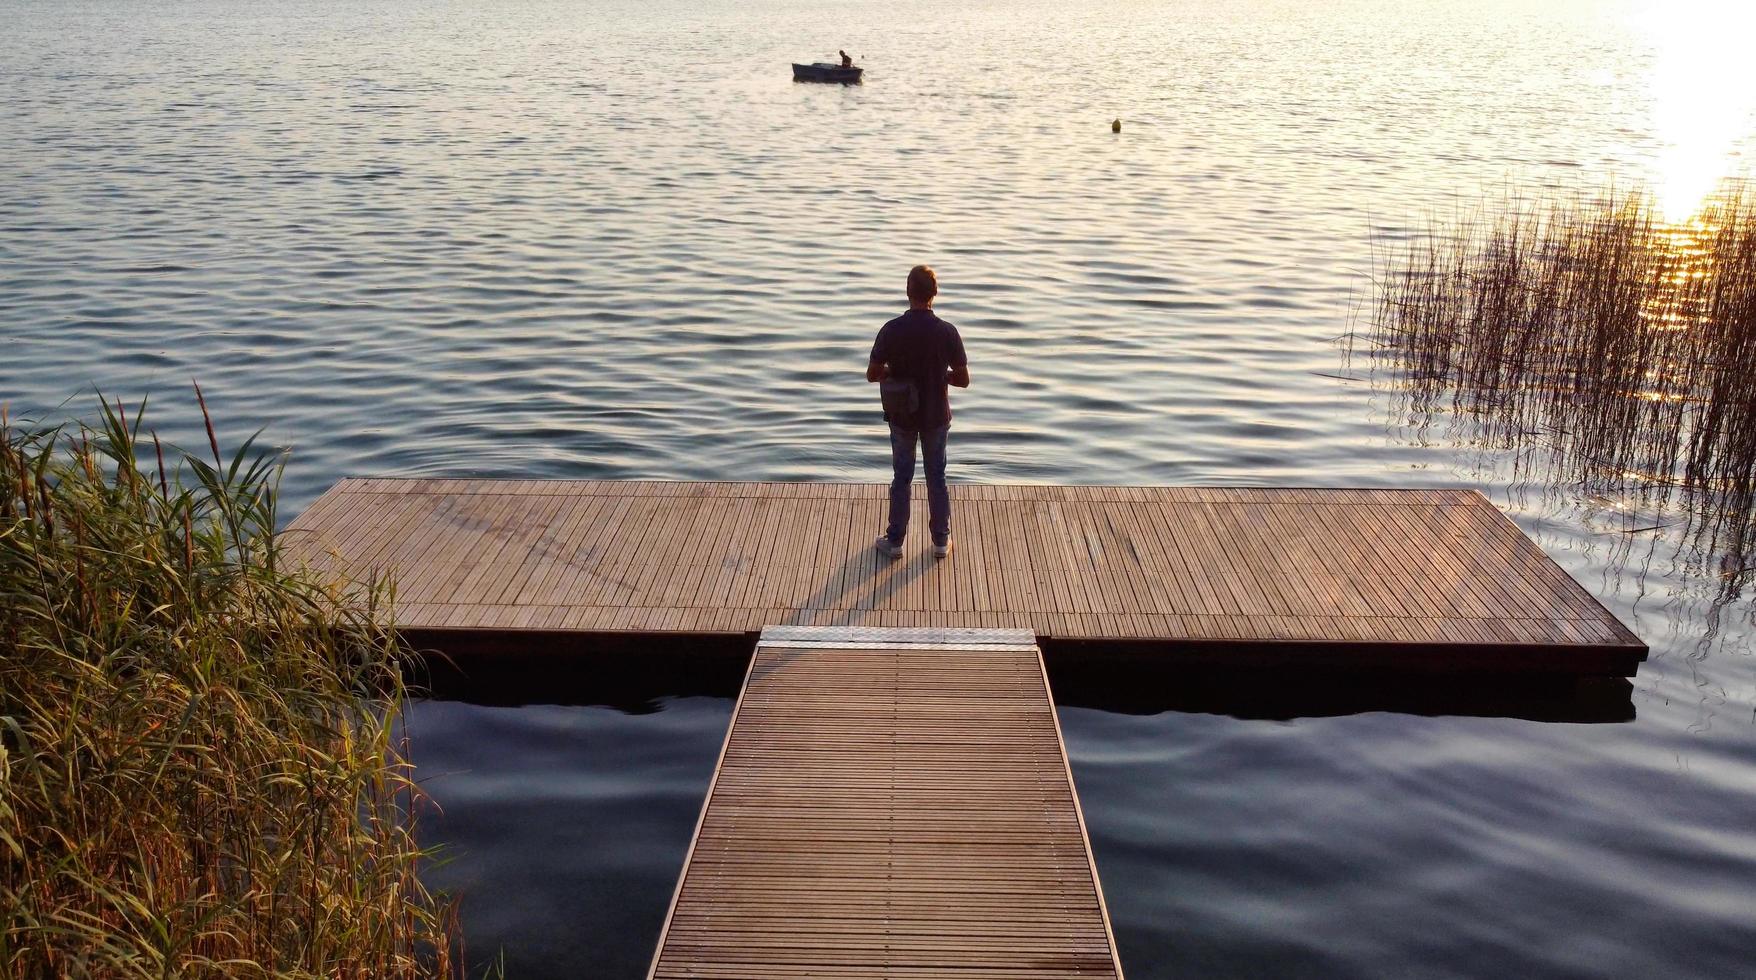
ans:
x=1589 y=327
x=198 y=771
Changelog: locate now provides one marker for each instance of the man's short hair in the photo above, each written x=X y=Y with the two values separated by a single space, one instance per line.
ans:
x=923 y=284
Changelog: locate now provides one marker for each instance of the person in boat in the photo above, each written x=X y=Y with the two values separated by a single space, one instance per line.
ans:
x=846 y=62
x=915 y=359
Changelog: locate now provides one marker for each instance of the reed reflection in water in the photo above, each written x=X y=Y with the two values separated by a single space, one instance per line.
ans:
x=1607 y=348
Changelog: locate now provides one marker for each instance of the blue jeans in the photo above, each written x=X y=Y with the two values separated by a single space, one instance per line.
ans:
x=902 y=464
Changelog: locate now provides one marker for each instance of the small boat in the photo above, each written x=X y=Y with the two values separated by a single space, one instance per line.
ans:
x=824 y=71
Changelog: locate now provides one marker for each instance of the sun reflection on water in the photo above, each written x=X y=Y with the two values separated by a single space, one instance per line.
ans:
x=1685 y=263
x=1703 y=86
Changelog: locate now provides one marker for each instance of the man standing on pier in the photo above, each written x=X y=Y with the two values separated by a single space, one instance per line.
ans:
x=915 y=359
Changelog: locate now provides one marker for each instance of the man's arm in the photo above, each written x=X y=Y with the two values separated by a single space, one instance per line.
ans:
x=959 y=373
x=878 y=363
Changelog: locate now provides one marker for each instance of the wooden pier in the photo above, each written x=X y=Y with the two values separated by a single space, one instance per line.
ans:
x=893 y=798
x=1410 y=579
x=890 y=803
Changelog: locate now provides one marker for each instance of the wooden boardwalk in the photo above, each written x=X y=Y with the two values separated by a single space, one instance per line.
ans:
x=890 y=803
x=1417 y=578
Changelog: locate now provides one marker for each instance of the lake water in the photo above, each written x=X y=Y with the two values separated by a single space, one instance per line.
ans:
x=584 y=239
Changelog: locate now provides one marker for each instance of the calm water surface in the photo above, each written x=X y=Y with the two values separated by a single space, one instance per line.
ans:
x=581 y=239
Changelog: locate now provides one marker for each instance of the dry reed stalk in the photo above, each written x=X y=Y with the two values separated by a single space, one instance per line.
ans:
x=198 y=775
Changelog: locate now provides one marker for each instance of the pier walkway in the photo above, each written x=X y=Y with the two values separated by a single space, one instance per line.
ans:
x=1420 y=579
x=890 y=803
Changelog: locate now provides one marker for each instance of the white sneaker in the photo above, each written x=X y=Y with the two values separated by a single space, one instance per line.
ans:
x=941 y=550
x=888 y=550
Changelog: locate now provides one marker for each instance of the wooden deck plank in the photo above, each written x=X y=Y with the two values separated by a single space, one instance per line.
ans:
x=890 y=803
x=1175 y=567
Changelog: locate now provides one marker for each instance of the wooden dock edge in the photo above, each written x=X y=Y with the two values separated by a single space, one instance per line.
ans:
x=485 y=650
x=1079 y=813
x=700 y=821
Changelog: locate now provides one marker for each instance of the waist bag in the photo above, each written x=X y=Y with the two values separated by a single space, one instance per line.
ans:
x=902 y=402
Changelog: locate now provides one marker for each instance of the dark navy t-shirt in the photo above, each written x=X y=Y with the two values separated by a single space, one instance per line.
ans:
x=921 y=347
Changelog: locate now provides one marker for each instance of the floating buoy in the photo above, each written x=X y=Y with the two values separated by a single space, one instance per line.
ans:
x=1116 y=127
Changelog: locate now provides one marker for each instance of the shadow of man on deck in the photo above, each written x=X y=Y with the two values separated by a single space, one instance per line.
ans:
x=863 y=585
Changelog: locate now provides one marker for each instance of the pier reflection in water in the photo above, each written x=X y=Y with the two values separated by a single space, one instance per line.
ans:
x=1130 y=686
